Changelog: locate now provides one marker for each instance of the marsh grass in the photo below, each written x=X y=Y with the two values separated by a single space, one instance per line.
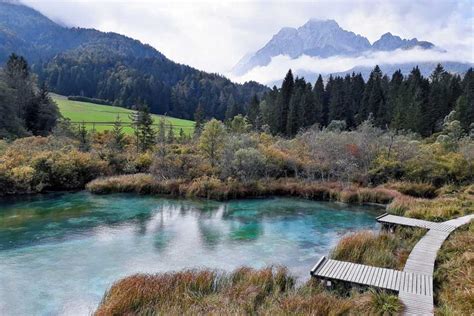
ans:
x=454 y=274
x=246 y=291
x=214 y=188
x=380 y=249
x=453 y=203
x=384 y=303
x=415 y=189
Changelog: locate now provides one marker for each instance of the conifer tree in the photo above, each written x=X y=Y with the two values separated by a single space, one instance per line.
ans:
x=283 y=100
x=143 y=125
x=199 y=119
x=465 y=103
x=319 y=96
x=118 y=136
x=254 y=114
x=336 y=103
x=170 y=136
x=293 y=120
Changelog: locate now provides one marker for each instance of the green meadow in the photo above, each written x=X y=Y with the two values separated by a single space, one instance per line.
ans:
x=101 y=117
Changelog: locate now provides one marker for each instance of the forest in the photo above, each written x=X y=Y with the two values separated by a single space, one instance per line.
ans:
x=412 y=103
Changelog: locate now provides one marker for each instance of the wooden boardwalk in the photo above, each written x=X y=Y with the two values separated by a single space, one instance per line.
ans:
x=413 y=222
x=328 y=269
x=415 y=283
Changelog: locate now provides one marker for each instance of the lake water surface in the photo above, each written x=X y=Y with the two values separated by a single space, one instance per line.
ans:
x=60 y=252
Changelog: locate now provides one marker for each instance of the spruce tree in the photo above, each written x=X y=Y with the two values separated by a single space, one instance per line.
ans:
x=465 y=103
x=199 y=119
x=144 y=125
x=318 y=97
x=118 y=136
x=439 y=105
x=283 y=102
x=336 y=103
x=327 y=100
x=253 y=113
x=309 y=111
x=293 y=120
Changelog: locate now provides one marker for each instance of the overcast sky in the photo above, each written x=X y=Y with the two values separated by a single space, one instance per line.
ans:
x=214 y=35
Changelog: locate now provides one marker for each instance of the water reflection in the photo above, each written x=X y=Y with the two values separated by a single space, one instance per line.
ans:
x=59 y=254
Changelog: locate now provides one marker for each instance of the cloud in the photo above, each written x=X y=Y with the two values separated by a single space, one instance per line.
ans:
x=213 y=35
x=279 y=65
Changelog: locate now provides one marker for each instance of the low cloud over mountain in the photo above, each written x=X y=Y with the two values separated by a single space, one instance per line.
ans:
x=322 y=46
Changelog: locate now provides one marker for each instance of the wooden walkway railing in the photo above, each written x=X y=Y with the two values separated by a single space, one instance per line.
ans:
x=415 y=283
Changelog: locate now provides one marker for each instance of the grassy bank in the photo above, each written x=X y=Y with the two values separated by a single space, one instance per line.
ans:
x=454 y=274
x=245 y=291
x=213 y=188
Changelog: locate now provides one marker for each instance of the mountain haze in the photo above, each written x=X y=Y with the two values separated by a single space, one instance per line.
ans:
x=325 y=38
x=113 y=67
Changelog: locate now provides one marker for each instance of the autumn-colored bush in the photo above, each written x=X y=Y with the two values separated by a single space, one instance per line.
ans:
x=31 y=169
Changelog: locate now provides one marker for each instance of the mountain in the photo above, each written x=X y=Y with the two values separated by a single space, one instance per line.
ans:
x=113 y=67
x=325 y=38
x=315 y=38
x=388 y=42
x=321 y=38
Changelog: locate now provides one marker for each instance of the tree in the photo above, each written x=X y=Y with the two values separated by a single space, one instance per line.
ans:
x=142 y=123
x=254 y=114
x=319 y=95
x=170 y=134
x=199 y=119
x=18 y=78
x=249 y=163
x=239 y=124
x=336 y=103
x=374 y=97
x=118 y=136
x=182 y=136
x=465 y=103
x=439 y=103
x=41 y=113
x=283 y=101
x=211 y=140
x=232 y=109
x=294 y=119
x=83 y=135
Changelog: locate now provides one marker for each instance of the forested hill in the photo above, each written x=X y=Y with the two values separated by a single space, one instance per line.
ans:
x=110 y=66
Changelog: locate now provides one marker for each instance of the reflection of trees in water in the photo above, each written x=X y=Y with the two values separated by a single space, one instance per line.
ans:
x=246 y=231
x=210 y=234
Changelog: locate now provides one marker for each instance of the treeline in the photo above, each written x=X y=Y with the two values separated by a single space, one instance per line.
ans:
x=98 y=72
x=411 y=103
x=90 y=100
x=25 y=108
x=113 y=67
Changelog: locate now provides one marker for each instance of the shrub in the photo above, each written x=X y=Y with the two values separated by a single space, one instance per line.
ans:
x=416 y=189
x=385 y=303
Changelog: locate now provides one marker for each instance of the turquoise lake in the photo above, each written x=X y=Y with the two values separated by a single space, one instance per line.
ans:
x=60 y=252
